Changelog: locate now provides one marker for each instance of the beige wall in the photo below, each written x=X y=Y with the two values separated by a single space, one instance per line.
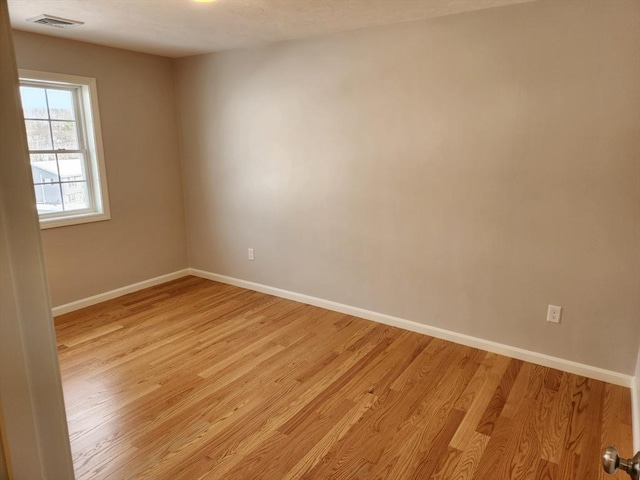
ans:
x=145 y=236
x=462 y=172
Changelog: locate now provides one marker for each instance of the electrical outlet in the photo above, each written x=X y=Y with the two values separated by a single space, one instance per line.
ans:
x=554 y=313
x=251 y=255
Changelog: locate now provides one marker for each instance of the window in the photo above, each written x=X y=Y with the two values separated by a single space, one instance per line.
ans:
x=65 y=148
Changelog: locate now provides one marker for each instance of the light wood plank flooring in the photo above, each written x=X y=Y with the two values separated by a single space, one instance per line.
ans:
x=194 y=379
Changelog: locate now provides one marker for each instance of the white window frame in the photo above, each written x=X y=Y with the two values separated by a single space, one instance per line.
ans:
x=88 y=121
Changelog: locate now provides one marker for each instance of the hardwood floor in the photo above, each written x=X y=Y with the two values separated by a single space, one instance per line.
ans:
x=195 y=379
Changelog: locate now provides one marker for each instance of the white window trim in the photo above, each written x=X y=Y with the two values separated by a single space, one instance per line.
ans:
x=93 y=132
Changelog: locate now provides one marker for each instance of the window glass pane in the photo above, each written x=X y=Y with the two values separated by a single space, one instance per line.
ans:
x=34 y=103
x=65 y=135
x=71 y=166
x=44 y=168
x=75 y=195
x=38 y=135
x=48 y=198
x=61 y=105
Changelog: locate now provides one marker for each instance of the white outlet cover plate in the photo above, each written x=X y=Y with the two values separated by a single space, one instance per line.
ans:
x=554 y=313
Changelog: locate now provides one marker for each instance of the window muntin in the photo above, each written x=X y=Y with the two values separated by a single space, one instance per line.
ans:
x=65 y=150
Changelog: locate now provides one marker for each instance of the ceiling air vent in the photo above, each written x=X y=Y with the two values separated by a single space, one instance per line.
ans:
x=57 y=22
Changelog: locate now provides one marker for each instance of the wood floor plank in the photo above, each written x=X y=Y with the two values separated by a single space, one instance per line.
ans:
x=447 y=463
x=373 y=432
x=467 y=463
x=491 y=373
x=590 y=449
x=523 y=446
x=194 y=379
x=498 y=453
x=339 y=430
x=555 y=429
x=413 y=436
x=579 y=392
x=546 y=470
x=499 y=398
x=437 y=448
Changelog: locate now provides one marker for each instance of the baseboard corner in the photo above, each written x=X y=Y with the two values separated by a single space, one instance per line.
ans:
x=118 y=292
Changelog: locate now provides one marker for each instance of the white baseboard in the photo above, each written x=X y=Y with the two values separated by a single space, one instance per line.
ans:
x=118 y=292
x=499 y=348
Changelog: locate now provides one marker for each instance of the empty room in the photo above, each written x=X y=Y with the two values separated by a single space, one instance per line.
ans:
x=320 y=239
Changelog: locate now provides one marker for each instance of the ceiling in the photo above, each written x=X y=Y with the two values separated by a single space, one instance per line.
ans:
x=177 y=28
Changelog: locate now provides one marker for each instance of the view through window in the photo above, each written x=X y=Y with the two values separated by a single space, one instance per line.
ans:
x=66 y=163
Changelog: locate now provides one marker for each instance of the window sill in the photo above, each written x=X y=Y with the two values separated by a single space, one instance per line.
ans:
x=46 y=223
